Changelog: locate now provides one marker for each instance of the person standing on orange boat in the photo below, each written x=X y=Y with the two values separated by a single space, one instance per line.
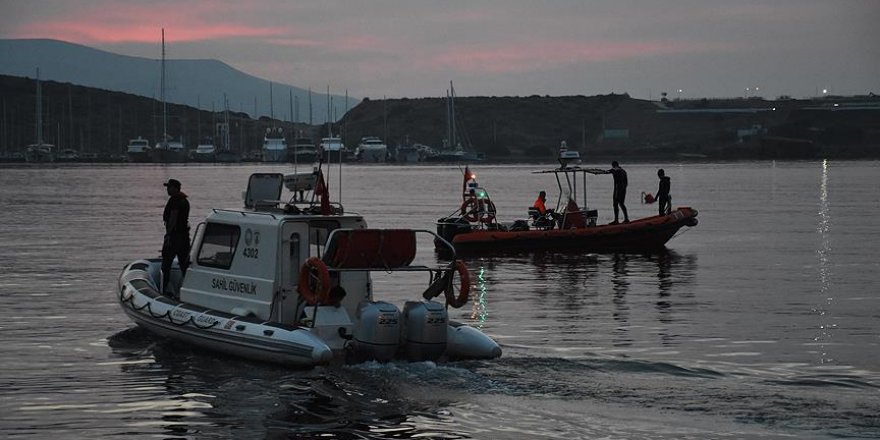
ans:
x=619 y=197
x=663 y=192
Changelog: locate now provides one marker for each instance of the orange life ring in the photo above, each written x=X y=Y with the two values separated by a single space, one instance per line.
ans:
x=464 y=284
x=472 y=212
x=321 y=292
x=469 y=210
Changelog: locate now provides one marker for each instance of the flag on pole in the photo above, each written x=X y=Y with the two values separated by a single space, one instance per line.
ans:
x=323 y=192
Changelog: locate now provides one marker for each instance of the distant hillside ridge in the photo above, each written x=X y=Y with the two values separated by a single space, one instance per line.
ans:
x=514 y=129
x=188 y=82
x=100 y=122
x=619 y=126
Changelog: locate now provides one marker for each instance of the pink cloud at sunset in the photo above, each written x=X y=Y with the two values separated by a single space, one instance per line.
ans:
x=123 y=23
x=141 y=33
x=553 y=54
x=504 y=46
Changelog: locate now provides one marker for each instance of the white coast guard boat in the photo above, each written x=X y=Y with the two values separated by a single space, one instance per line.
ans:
x=263 y=280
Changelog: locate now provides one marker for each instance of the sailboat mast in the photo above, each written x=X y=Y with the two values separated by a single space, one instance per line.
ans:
x=293 y=129
x=271 y=106
x=226 y=145
x=162 y=93
x=452 y=115
x=39 y=111
x=448 y=123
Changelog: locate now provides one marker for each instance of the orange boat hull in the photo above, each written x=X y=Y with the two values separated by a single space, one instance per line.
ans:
x=644 y=234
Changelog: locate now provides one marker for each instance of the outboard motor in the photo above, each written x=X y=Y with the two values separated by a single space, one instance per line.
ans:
x=376 y=333
x=448 y=227
x=425 y=330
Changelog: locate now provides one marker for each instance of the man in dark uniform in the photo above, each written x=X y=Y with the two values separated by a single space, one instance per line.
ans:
x=663 y=193
x=176 y=243
x=619 y=197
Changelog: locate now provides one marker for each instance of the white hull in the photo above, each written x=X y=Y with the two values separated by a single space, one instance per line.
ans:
x=237 y=335
x=374 y=154
x=254 y=338
x=274 y=155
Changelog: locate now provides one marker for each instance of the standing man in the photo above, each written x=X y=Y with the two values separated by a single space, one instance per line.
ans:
x=176 y=243
x=619 y=197
x=663 y=192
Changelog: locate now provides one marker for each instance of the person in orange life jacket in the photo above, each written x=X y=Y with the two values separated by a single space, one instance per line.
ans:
x=176 y=242
x=619 y=197
x=663 y=193
x=546 y=216
x=540 y=203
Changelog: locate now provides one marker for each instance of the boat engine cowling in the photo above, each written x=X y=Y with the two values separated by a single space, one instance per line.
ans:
x=376 y=332
x=425 y=332
x=449 y=227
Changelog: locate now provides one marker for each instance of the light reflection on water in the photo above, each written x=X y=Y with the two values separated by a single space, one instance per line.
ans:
x=824 y=253
x=726 y=334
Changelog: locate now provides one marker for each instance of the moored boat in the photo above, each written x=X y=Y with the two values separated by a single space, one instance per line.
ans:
x=39 y=151
x=303 y=151
x=371 y=149
x=334 y=151
x=204 y=152
x=274 y=146
x=169 y=151
x=138 y=150
x=289 y=282
x=474 y=228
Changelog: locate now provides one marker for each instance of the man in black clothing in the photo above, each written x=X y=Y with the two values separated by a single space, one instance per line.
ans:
x=619 y=197
x=176 y=243
x=663 y=193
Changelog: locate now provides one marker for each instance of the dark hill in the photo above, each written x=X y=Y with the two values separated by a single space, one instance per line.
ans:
x=505 y=128
x=620 y=126
x=100 y=122
x=193 y=82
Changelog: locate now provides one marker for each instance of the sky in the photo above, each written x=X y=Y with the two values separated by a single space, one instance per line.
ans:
x=414 y=48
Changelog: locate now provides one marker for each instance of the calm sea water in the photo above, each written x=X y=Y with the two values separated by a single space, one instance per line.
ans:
x=761 y=322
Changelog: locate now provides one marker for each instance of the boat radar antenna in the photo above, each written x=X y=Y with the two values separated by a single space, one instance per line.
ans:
x=566 y=157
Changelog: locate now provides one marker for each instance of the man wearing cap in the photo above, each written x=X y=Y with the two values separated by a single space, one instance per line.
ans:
x=176 y=243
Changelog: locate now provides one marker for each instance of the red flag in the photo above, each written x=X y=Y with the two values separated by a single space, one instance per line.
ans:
x=322 y=191
x=467 y=177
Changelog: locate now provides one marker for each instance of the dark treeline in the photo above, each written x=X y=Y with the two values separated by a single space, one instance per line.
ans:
x=620 y=126
x=100 y=122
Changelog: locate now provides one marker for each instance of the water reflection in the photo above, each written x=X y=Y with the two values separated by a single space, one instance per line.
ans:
x=217 y=395
x=825 y=298
x=480 y=310
x=574 y=281
x=620 y=282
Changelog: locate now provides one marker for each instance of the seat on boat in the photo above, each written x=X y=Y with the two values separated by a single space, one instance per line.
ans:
x=371 y=248
x=541 y=221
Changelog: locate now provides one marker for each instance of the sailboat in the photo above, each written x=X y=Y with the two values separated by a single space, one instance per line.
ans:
x=274 y=144
x=453 y=150
x=39 y=151
x=226 y=154
x=167 y=150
